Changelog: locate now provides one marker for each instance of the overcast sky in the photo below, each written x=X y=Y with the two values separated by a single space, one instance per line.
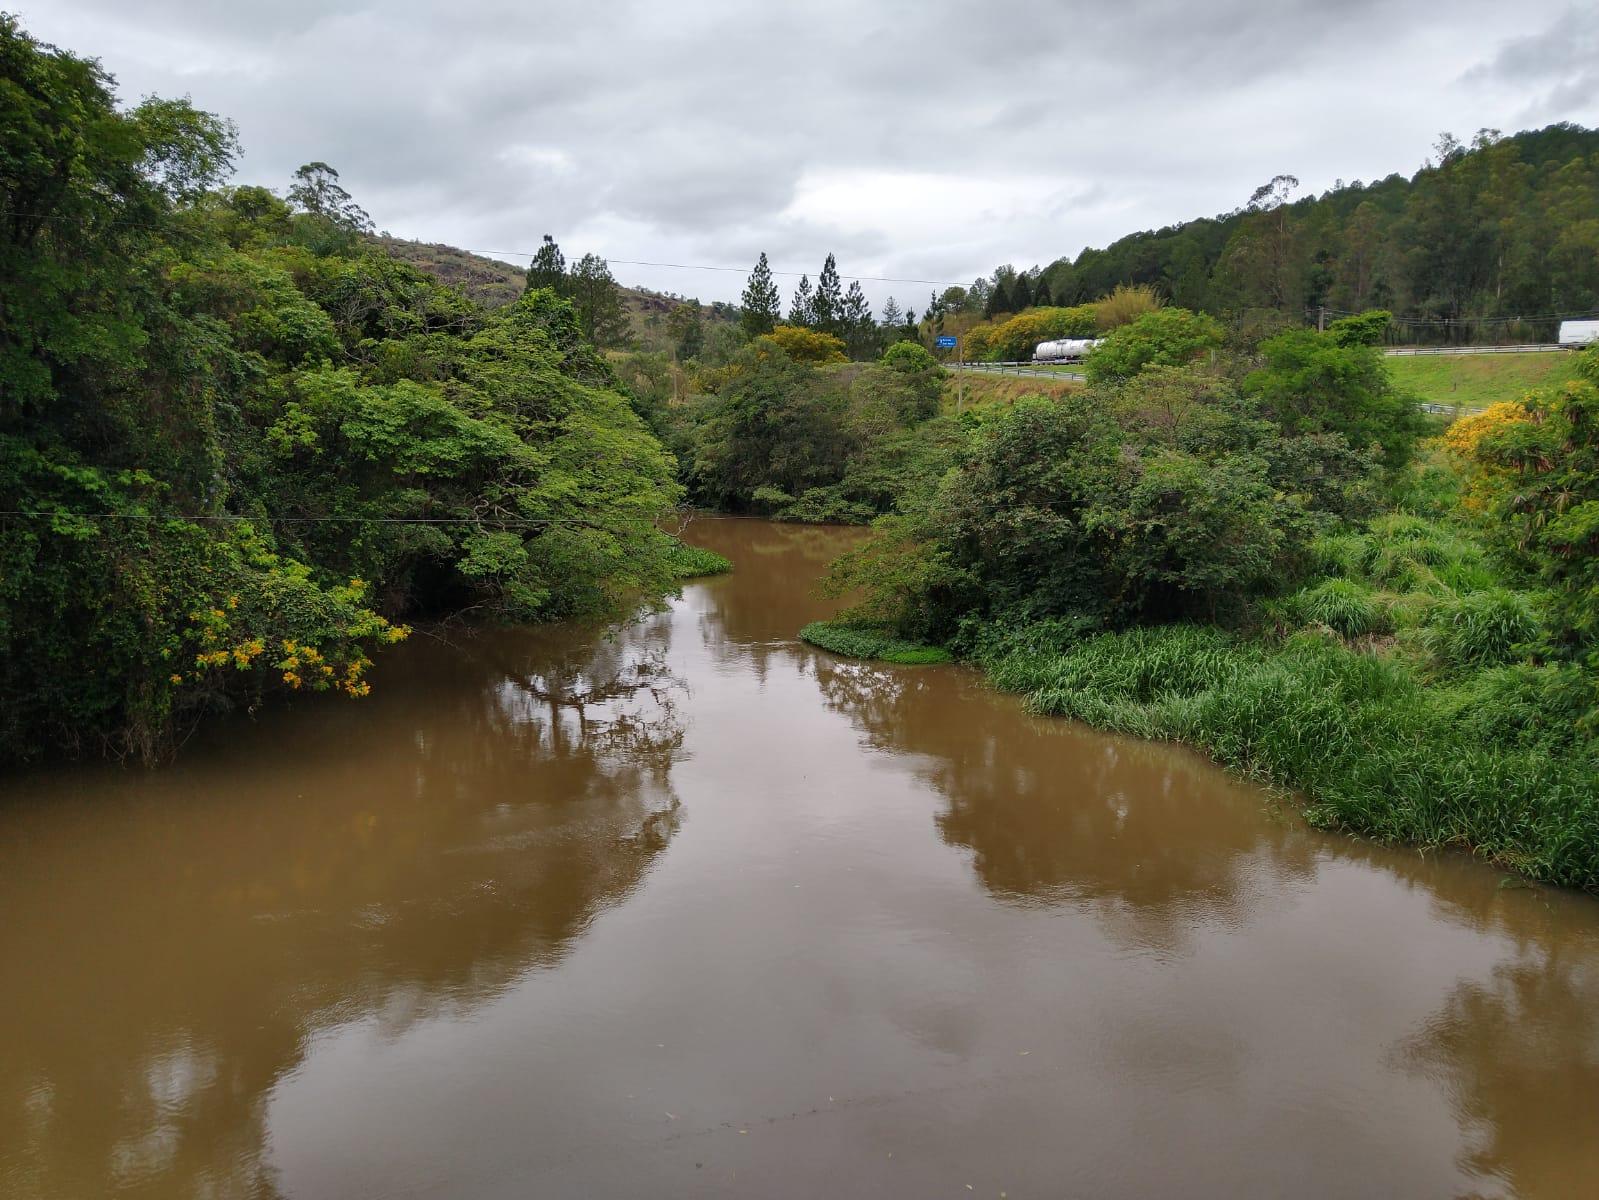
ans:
x=929 y=141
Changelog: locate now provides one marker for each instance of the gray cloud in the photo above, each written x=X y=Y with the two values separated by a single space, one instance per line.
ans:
x=1559 y=64
x=930 y=140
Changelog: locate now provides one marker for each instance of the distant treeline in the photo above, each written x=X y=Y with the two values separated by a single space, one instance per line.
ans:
x=1491 y=241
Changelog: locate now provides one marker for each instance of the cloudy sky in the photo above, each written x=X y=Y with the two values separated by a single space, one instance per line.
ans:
x=926 y=141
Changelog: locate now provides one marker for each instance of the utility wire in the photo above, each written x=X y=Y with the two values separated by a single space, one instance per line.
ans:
x=530 y=254
x=516 y=522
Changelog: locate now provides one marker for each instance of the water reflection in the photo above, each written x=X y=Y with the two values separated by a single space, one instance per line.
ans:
x=1518 y=1055
x=406 y=947
x=173 y=949
x=1054 y=814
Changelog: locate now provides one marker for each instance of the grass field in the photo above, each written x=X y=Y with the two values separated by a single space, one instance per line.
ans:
x=1478 y=380
x=978 y=388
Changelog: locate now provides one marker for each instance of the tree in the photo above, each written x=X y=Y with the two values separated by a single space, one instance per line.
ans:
x=998 y=300
x=548 y=269
x=598 y=302
x=808 y=345
x=761 y=306
x=893 y=318
x=802 y=311
x=827 y=307
x=1021 y=293
x=1318 y=383
x=860 y=331
x=1165 y=337
x=316 y=192
x=686 y=326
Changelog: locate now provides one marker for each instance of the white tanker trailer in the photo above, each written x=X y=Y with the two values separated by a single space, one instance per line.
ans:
x=1065 y=350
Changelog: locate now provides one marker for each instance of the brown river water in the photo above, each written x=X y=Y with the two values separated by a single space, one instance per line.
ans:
x=690 y=909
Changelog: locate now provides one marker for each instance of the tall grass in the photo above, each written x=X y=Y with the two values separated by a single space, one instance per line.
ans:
x=861 y=641
x=1369 y=747
x=691 y=562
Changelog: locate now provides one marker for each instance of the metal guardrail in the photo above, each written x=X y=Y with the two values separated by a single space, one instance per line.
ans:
x=1016 y=368
x=1539 y=348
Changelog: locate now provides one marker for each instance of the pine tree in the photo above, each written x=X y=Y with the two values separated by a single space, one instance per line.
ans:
x=998 y=300
x=762 y=305
x=827 y=309
x=548 y=269
x=803 y=311
x=892 y=316
x=598 y=301
x=860 y=331
x=1021 y=293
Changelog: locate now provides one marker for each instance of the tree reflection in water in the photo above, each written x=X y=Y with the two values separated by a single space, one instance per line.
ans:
x=1152 y=838
x=410 y=856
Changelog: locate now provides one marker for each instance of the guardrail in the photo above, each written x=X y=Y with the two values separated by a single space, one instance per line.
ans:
x=1016 y=368
x=1539 y=348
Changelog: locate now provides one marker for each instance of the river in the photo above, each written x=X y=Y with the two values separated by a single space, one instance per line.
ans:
x=690 y=909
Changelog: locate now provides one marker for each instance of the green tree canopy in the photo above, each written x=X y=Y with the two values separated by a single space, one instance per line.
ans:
x=760 y=307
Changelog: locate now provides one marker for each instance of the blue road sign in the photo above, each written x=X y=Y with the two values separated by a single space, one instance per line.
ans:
x=946 y=343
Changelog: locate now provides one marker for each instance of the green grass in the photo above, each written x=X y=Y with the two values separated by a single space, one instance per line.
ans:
x=859 y=641
x=1478 y=380
x=1491 y=764
x=691 y=562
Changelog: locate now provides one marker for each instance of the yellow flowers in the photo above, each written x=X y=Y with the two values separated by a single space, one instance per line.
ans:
x=292 y=679
x=175 y=679
x=1464 y=435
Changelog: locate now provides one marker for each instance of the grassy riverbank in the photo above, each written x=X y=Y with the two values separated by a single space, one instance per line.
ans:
x=1398 y=695
x=1366 y=741
x=861 y=641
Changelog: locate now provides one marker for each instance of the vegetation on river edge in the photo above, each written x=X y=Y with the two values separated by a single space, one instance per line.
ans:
x=1253 y=554
x=238 y=445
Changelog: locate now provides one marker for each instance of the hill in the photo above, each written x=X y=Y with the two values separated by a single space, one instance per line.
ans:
x=493 y=284
x=1485 y=242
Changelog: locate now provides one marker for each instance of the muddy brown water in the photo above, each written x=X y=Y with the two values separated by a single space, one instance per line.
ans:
x=693 y=910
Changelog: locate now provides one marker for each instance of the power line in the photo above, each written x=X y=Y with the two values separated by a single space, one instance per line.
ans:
x=513 y=522
x=530 y=254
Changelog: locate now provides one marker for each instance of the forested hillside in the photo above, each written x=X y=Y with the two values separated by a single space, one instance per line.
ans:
x=650 y=319
x=238 y=444
x=1488 y=235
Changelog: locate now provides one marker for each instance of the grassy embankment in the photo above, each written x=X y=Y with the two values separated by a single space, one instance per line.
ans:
x=1474 y=381
x=979 y=389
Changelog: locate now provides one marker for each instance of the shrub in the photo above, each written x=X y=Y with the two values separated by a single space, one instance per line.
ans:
x=1167 y=336
x=808 y=345
x=1123 y=306
x=1344 y=606
x=1481 y=629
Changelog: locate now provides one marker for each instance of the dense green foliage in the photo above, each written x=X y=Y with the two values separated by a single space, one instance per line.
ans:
x=1482 y=235
x=236 y=443
x=804 y=440
x=1170 y=337
x=1542 y=484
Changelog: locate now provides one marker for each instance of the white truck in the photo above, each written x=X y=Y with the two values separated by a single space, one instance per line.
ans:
x=1065 y=350
x=1579 y=333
